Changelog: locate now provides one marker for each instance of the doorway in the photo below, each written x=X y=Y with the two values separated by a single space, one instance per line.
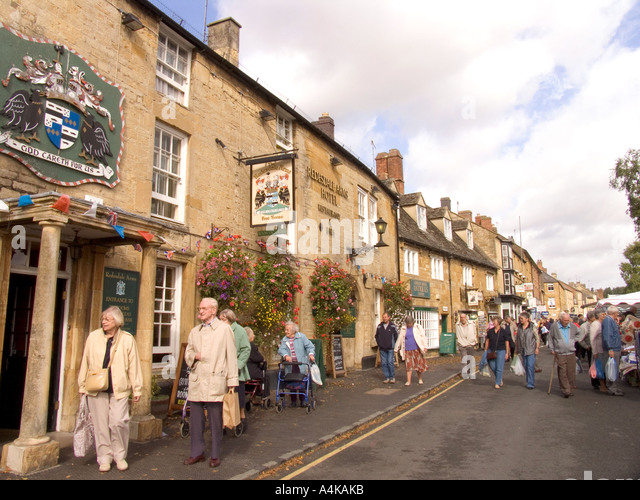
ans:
x=16 y=349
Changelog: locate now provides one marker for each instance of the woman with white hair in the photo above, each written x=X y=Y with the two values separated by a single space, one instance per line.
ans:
x=111 y=348
x=412 y=345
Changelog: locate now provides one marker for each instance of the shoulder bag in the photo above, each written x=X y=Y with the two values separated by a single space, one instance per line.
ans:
x=98 y=380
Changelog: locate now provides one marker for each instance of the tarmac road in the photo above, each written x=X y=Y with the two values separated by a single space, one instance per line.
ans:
x=470 y=431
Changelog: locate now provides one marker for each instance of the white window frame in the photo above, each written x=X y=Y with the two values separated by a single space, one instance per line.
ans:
x=372 y=218
x=490 y=282
x=159 y=175
x=430 y=321
x=448 y=231
x=170 y=317
x=411 y=264
x=167 y=84
x=470 y=238
x=362 y=216
x=421 y=213
x=508 y=284
x=467 y=276
x=284 y=132
x=551 y=287
x=437 y=268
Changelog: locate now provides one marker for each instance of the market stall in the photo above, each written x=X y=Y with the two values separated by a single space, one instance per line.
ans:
x=629 y=307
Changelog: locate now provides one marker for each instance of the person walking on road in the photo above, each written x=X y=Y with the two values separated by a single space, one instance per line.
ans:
x=612 y=345
x=562 y=340
x=386 y=337
x=211 y=356
x=597 y=352
x=412 y=345
x=465 y=337
x=528 y=346
x=497 y=345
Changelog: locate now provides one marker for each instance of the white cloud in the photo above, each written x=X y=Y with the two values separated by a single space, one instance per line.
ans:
x=516 y=110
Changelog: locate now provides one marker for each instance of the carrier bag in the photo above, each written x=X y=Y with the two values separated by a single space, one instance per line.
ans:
x=83 y=432
x=230 y=410
x=315 y=374
x=612 y=370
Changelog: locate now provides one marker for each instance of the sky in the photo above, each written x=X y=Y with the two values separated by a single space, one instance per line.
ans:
x=517 y=110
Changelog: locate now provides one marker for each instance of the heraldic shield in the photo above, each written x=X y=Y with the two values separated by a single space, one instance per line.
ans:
x=50 y=92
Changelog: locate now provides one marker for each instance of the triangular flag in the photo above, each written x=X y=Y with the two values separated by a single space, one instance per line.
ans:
x=62 y=204
x=25 y=200
x=120 y=230
x=92 y=211
x=3 y=206
x=146 y=235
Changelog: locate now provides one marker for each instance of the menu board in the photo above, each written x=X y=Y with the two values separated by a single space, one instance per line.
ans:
x=337 y=360
x=180 y=384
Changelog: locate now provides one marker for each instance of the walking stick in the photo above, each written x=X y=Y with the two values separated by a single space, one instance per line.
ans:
x=551 y=377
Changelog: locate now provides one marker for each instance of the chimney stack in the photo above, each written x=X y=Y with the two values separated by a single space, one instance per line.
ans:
x=326 y=124
x=466 y=214
x=389 y=166
x=223 y=37
x=445 y=203
x=485 y=222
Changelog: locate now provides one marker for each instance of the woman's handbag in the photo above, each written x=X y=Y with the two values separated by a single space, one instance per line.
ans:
x=83 y=432
x=98 y=380
x=492 y=355
x=230 y=409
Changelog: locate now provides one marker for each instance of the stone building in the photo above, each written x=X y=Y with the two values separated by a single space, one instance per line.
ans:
x=447 y=272
x=123 y=152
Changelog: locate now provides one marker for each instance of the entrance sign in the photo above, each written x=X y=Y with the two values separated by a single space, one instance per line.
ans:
x=120 y=288
x=58 y=116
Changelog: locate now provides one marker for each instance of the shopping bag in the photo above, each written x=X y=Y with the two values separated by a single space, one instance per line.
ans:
x=230 y=410
x=611 y=370
x=485 y=371
x=599 y=370
x=315 y=374
x=83 y=432
x=516 y=366
x=593 y=373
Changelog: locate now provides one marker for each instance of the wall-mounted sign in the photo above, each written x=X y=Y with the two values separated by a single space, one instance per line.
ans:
x=121 y=288
x=421 y=289
x=272 y=191
x=58 y=116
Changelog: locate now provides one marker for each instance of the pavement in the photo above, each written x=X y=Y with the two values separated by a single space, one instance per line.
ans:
x=342 y=405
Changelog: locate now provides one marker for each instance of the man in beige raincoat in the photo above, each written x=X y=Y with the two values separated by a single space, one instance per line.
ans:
x=212 y=359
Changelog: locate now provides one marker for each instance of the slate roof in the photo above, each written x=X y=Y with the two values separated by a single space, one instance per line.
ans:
x=433 y=239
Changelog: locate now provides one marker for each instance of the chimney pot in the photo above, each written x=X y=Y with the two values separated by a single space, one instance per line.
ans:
x=326 y=124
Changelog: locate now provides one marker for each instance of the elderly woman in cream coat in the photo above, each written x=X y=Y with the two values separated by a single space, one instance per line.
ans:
x=212 y=359
x=412 y=345
x=110 y=408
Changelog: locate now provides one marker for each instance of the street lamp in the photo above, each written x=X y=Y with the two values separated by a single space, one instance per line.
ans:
x=381 y=227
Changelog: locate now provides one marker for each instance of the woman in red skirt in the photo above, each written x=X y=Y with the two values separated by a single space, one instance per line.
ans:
x=412 y=344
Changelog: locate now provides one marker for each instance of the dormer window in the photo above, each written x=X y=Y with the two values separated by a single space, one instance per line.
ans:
x=448 y=233
x=470 y=239
x=422 y=217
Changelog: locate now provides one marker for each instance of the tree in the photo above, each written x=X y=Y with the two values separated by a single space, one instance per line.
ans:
x=626 y=177
x=630 y=271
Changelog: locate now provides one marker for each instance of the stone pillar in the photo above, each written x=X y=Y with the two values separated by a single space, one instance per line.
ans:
x=34 y=450
x=143 y=425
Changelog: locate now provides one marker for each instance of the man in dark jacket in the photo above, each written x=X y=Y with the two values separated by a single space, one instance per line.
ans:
x=386 y=336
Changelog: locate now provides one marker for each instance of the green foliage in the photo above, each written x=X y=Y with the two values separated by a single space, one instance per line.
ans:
x=397 y=300
x=226 y=274
x=331 y=290
x=275 y=286
x=260 y=290
x=630 y=270
x=626 y=177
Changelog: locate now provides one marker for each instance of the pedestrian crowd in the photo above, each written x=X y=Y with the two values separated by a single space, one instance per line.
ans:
x=596 y=339
x=221 y=358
